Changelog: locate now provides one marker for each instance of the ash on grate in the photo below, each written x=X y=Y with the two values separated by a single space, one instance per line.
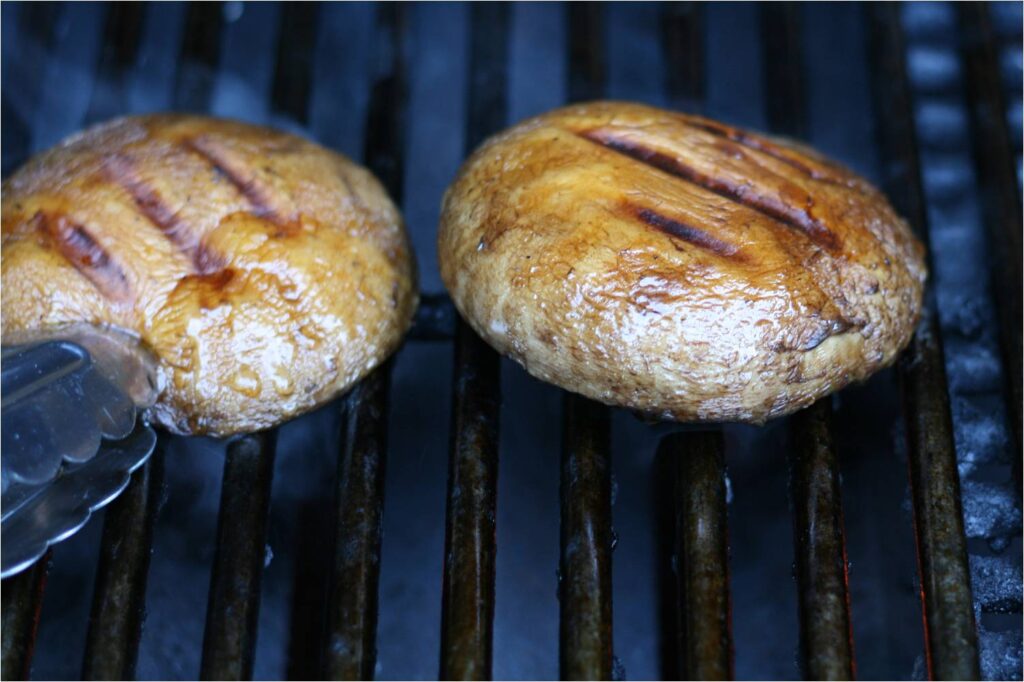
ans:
x=995 y=581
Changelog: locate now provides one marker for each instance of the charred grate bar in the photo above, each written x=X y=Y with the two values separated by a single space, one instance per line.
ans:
x=435 y=319
x=704 y=614
x=826 y=636
x=585 y=569
x=467 y=616
x=22 y=601
x=1000 y=194
x=351 y=651
x=119 y=595
x=951 y=644
x=120 y=50
x=119 y=598
x=38 y=22
x=200 y=54
x=695 y=461
x=683 y=29
x=232 y=616
x=122 y=586
x=351 y=638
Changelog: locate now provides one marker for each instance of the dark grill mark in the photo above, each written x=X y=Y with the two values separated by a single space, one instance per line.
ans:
x=761 y=145
x=121 y=170
x=245 y=181
x=688 y=233
x=798 y=218
x=85 y=254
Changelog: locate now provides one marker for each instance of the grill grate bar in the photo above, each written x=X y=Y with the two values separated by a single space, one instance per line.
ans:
x=351 y=637
x=200 y=56
x=786 y=101
x=352 y=602
x=826 y=638
x=435 y=319
x=696 y=460
x=121 y=41
x=586 y=51
x=119 y=595
x=232 y=617
x=704 y=616
x=34 y=24
x=294 y=69
x=951 y=644
x=585 y=570
x=232 y=614
x=683 y=31
x=22 y=602
x=467 y=628
x=119 y=598
x=585 y=567
x=1001 y=202
x=23 y=594
x=470 y=547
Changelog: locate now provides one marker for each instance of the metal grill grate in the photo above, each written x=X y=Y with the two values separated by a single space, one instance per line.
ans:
x=297 y=90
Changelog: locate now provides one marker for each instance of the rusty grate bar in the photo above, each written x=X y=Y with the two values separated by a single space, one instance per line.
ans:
x=352 y=602
x=385 y=129
x=121 y=38
x=683 y=41
x=200 y=56
x=585 y=570
x=119 y=598
x=119 y=594
x=997 y=183
x=586 y=51
x=826 y=637
x=351 y=637
x=951 y=642
x=696 y=460
x=38 y=23
x=22 y=601
x=703 y=626
x=232 y=613
x=435 y=319
x=293 y=72
x=782 y=57
x=467 y=620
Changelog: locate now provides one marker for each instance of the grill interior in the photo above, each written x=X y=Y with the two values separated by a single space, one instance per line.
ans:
x=517 y=531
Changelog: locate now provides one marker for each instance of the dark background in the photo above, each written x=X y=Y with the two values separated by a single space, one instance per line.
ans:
x=68 y=65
